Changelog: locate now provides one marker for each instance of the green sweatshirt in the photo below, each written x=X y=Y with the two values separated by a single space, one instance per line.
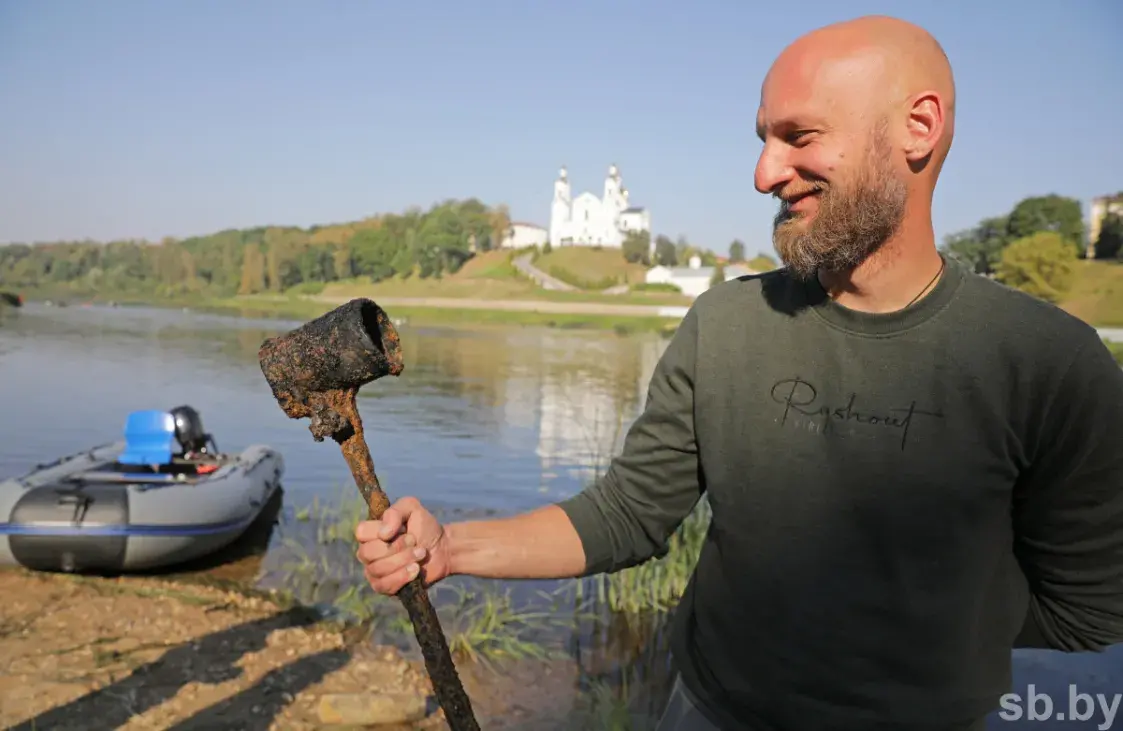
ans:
x=898 y=500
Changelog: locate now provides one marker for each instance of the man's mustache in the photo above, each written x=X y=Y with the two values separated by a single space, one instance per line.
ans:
x=788 y=195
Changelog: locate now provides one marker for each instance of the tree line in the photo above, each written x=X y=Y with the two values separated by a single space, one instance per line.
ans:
x=1033 y=247
x=1036 y=245
x=637 y=249
x=265 y=259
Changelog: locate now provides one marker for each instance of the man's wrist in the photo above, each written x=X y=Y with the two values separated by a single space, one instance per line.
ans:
x=454 y=545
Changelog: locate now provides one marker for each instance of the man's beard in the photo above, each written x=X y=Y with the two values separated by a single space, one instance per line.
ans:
x=852 y=222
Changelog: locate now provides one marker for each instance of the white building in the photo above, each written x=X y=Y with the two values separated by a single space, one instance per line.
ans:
x=590 y=221
x=694 y=279
x=521 y=235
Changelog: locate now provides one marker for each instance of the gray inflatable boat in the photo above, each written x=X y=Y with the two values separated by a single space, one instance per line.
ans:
x=162 y=496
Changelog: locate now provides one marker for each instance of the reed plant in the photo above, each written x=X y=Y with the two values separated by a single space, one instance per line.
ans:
x=482 y=623
x=657 y=585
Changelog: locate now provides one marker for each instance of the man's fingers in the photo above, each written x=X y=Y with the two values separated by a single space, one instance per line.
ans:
x=393 y=582
x=391 y=556
x=391 y=524
x=376 y=549
x=368 y=530
x=395 y=561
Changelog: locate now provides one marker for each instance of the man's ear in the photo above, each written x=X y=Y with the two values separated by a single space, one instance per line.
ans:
x=924 y=126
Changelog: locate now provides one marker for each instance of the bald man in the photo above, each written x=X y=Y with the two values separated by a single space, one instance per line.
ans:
x=912 y=469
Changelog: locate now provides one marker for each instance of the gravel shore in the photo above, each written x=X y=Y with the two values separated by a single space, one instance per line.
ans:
x=143 y=653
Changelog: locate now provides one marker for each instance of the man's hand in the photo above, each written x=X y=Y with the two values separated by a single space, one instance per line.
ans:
x=407 y=540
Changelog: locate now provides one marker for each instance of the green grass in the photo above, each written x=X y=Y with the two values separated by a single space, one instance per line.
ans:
x=656 y=586
x=1097 y=293
x=295 y=307
x=491 y=265
x=305 y=309
x=483 y=627
x=494 y=289
x=622 y=324
x=590 y=268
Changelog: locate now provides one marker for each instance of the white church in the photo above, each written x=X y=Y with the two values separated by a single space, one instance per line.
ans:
x=590 y=221
x=585 y=220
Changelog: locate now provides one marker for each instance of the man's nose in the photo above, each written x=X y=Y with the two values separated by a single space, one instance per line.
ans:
x=772 y=169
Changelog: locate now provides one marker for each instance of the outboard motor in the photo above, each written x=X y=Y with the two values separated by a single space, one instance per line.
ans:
x=189 y=430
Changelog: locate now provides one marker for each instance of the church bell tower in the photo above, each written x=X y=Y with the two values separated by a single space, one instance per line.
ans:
x=561 y=210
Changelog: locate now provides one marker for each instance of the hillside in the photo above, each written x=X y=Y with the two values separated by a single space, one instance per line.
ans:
x=1097 y=294
x=593 y=269
x=487 y=275
x=492 y=276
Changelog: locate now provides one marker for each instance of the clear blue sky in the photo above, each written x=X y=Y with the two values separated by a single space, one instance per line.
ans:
x=148 y=118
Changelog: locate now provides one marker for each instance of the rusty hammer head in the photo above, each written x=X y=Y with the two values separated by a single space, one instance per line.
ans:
x=311 y=367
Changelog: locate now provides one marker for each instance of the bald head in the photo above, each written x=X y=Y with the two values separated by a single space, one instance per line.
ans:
x=857 y=119
x=874 y=66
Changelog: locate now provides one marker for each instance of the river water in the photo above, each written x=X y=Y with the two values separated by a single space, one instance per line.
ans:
x=482 y=422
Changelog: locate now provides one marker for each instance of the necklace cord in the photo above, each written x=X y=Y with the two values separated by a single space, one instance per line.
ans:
x=943 y=263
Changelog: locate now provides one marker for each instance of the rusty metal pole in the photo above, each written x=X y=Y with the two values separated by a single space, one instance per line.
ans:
x=315 y=371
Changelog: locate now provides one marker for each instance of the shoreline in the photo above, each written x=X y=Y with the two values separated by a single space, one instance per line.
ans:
x=210 y=644
x=577 y=315
x=144 y=652
x=160 y=652
x=444 y=311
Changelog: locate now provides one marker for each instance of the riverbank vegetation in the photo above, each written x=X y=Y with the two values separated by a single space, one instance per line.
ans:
x=484 y=621
x=288 y=307
x=1041 y=247
x=611 y=629
x=266 y=259
x=453 y=249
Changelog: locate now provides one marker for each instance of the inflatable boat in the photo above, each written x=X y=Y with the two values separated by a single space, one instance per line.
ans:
x=162 y=496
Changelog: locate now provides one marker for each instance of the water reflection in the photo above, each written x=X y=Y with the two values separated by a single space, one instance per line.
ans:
x=498 y=419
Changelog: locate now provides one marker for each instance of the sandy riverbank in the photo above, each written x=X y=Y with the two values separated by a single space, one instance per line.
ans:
x=144 y=653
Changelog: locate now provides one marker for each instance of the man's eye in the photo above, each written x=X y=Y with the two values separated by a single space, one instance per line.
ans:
x=800 y=137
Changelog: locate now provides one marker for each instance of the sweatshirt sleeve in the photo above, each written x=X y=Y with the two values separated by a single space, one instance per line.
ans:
x=1068 y=513
x=628 y=516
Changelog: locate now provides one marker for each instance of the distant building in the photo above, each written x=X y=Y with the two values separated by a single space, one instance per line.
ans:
x=590 y=221
x=732 y=271
x=1099 y=210
x=521 y=235
x=693 y=279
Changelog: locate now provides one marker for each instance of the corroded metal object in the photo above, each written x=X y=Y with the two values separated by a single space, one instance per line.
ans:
x=315 y=372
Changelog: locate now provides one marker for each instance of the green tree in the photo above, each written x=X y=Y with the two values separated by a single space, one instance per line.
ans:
x=637 y=247
x=258 y=259
x=718 y=275
x=253 y=271
x=1056 y=213
x=737 y=251
x=683 y=249
x=980 y=246
x=374 y=251
x=665 y=251
x=1042 y=264
x=1109 y=243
